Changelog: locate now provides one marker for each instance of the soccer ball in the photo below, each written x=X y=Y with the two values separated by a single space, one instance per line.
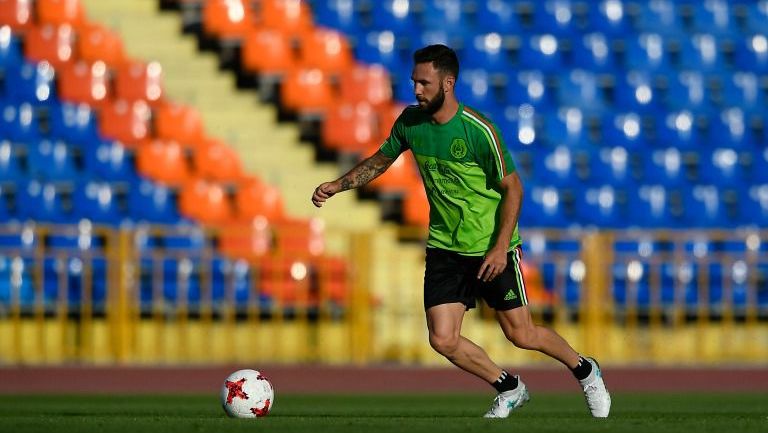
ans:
x=247 y=394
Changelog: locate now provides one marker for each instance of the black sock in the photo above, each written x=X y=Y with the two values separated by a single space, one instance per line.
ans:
x=505 y=382
x=582 y=370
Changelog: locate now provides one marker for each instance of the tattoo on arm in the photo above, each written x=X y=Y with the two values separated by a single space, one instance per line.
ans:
x=366 y=171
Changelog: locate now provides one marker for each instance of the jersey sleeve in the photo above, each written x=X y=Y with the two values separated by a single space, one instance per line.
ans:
x=397 y=142
x=492 y=153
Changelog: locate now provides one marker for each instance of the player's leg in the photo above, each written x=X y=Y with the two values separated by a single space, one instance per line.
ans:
x=444 y=325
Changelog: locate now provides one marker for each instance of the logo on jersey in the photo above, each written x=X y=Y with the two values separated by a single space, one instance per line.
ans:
x=510 y=296
x=458 y=148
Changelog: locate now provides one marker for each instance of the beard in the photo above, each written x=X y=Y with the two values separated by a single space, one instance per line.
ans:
x=436 y=103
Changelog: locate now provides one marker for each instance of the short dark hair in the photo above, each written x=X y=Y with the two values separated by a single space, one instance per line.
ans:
x=443 y=58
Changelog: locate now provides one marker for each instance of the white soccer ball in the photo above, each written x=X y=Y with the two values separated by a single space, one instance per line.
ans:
x=247 y=394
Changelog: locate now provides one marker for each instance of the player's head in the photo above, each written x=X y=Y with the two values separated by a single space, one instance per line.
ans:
x=435 y=70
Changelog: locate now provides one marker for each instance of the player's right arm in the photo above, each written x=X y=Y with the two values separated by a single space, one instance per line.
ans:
x=364 y=172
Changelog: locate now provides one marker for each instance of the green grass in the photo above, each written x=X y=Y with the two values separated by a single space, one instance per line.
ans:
x=698 y=413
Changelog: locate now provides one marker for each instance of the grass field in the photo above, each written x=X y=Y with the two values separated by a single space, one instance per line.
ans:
x=656 y=413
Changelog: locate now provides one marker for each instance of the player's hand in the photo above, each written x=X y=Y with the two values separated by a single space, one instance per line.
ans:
x=324 y=192
x=494 y=264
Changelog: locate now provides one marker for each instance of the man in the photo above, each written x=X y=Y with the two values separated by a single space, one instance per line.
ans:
x=473 y=248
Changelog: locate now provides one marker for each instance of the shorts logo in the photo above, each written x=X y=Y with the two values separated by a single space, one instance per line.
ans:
x=458 y=148
x=510 y=296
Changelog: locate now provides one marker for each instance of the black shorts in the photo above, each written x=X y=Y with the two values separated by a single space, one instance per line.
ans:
x=451 y=277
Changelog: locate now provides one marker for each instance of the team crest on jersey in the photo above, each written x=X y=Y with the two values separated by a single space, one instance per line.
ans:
x=458 y=148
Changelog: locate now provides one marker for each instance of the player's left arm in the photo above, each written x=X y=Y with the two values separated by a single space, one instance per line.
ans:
x=511 y=198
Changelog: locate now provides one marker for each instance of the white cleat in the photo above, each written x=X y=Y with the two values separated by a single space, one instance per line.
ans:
x=507 y=401
x=598 y=399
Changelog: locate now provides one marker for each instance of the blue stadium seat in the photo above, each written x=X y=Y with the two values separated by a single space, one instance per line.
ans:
x=153 y=203
x=716 y=17
x=32 y=83
x=444 y=14
x=98 y=202
x=474 y=89
x=527 y=87
x=16 y=282
x=556 y=168
x=593 y=52
x=10 y=51
x=721 y=166
x=52 y=161
x=44 y=201
x=544 y=208
x=701 y=52
x=74 y=123
x=581 y=88
x=677 y=129
x=649 y=207
x=756 y=18
x=742 y=90
x=647 y=52
x=635 y=91
x=496 y=16
x=10 y=162
x=341 y=15
x=611 y=166
x=688 y=91
x=18 y=122
x=385 y=48
x=186 y=237
x=731 y=128
x=541 y=51
x=759 y=172
x=659 y=16
x=486 y=51
x=665 y=166
x=753 y=206
x=232 y=280
x=555 y=16
x=394 y=15
x=567 y=127
x=624 y=130
x=519 y=127
x=72 y=271
x=703 y=207
x=609 y=17
x=111 y=161
x=751 y=53
x=600 y=207
x=630 y=282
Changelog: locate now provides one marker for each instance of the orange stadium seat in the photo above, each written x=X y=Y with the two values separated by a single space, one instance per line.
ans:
x=215 y=160
x=366 y=83
x=291 y=16
x=50 y=43
x=125 y=121
x=400 y=177
x=387 y=114
x=96 y=42
x=268 y=51
x=286 y=280
x=333 y=278
x=138 y=80
x=17 y=14
x=327 y=50
x=206 y=202
x=163 y=161
x=307 y=91
x=173 y=121
x=350 y=127
x=246 y=239
x=299 y=237
x=254 y=198
x=84 y=82
x=60 y=12
x=227 y=19
x=416 y=207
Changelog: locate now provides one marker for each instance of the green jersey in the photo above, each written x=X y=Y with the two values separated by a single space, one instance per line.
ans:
x=461 y=163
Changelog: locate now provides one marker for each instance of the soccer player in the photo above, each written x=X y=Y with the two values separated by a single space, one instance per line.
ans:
x=473 y=248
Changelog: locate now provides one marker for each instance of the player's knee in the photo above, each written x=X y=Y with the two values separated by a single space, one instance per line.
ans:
x=524 y=338
x=444 y=344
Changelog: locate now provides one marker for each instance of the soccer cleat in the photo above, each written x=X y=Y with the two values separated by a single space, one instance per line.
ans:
x=507 y=401
x=598 y=399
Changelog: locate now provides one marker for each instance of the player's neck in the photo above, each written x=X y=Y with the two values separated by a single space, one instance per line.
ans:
x=447 y=111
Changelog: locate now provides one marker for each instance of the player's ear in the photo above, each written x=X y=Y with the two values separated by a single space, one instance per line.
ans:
x=449 y=82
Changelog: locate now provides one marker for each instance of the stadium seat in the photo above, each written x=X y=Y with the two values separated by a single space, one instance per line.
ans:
x=18 y=122
x=609 y=17
x=206 y=202
x=649 y=207
x=720 y=166
x=701 y=53
x=214 y=160
x=647 y=52
x=416 y=209
x=496 y=16
x=688 y=90
x=326 y=50
x=96 y=42
x=32 y=83
x=227 y=19
x=703 y=207
x=592 y=51
x=384 y=48
x=665 y=166
x=153 y=203
x=163 y=161
x=10 y=166
x=268 y=51
x=486 y=51
x=624 y=130
x=715 y=17
x=307 y=92
x=527 y=87
x=365 y=83
x=110 y=161
x=581 y=89
x=756 y=16
x=659 y=16
x=635 y=91
x=556 y=16
x=43 y=201
x=138 y=80
x=393 y=15
x=751 y=53
x=60 y=12
x=10 y=50
x=556 y=168
x=350 y=127
x=338 y=14
x=519 y=127
x=82 y=82
x=127 y=122
x=474 y=88
x=677 y=129
x=567 y=127
x=544 y=208
x=399 y=178
x=741 y=90
x=52 y=161
x=50 y=43
x=541 y=50
x=600 y=207
x=97 y=201
x=17 y=14
x=254 y=198
x=292 y=16
x=611 y=166
x=74 y=123
x=178 y=122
